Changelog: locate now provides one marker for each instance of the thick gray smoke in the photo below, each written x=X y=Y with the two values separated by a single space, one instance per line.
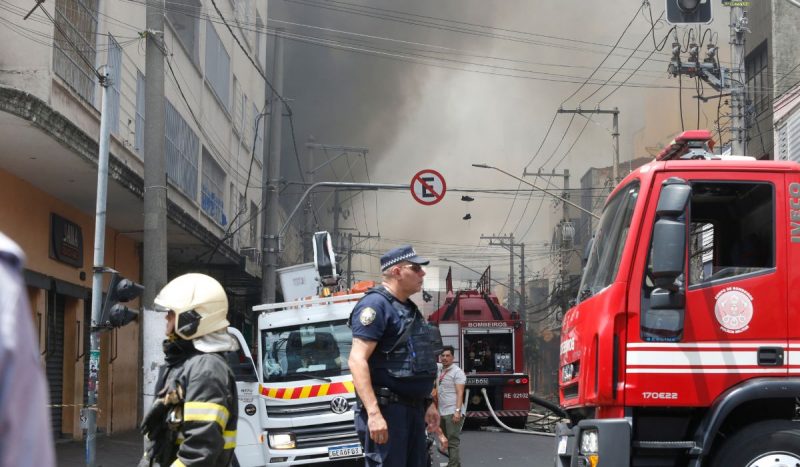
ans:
x=420 y=101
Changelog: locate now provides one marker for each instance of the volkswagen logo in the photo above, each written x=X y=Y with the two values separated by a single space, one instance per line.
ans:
x=339 y=405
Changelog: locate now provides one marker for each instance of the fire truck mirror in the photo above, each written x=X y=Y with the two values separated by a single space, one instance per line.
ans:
x=669 y=234
x=669 y=248
x=673 y=198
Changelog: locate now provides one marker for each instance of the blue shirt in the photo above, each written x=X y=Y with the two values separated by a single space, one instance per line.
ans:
x=384 y=326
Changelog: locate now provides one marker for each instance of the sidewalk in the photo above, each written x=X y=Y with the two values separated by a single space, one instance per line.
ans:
x=117 y=450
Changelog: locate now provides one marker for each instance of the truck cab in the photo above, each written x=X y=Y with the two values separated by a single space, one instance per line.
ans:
x=680 y=350
x=296 y=405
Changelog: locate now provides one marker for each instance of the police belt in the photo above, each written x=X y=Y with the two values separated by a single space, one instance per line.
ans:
x=386 y=396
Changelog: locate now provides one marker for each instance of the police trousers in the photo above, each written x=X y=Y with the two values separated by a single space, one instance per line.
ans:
x=406 y=446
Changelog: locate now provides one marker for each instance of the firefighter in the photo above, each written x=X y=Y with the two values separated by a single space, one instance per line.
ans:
x=393 y=362
x=193 y=418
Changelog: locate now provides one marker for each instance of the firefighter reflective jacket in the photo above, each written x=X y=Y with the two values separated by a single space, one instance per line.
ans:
x=193 y=419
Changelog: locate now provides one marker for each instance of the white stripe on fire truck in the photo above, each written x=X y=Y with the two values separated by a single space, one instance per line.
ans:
x=705 y=345
x=729 y=370
x=691 y=358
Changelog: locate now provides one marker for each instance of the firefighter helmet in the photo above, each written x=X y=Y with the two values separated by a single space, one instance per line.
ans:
x=199 y=303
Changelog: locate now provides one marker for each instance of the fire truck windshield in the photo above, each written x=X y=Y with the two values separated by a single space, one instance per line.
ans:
x=609 y=239
x=297 y=352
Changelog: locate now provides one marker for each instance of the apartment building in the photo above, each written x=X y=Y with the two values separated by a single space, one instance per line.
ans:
x=49 y=125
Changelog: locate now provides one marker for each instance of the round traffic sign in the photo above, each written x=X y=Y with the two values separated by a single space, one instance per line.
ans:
x=428 y=187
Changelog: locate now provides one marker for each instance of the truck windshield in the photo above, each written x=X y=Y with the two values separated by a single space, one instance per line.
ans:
x=308 y=350
x=609 y=239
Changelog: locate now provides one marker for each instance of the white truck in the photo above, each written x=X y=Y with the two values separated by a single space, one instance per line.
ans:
x=298 y=406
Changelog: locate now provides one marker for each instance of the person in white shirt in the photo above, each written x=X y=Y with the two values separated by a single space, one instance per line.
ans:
x=450 y=390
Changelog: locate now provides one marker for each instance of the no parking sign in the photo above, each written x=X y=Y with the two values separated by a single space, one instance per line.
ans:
x=428 y=187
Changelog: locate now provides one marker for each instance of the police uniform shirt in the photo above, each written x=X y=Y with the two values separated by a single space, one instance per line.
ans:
x=376 y=319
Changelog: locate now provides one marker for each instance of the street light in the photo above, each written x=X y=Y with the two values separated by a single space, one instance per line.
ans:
x=486 y=166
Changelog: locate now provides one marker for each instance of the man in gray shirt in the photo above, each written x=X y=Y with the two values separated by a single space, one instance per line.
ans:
x=450 y=390
x=25 y=431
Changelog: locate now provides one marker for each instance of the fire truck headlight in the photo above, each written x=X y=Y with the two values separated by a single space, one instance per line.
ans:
x=282 y=441
x=589 y=442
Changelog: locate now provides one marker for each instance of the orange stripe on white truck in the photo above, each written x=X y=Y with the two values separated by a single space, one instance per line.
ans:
x=305 y=392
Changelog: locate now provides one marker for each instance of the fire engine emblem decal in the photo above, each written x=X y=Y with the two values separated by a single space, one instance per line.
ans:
x=734 y=310
x=339 y=405
x=367 y=316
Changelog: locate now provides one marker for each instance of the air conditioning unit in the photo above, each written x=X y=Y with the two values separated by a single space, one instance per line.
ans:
x=252 y=262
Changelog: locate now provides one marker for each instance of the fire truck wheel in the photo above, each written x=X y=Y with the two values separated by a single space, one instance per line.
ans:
x=771 y=443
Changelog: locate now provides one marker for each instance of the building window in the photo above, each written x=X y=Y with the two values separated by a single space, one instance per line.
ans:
x=112 y=93
x=756 y=73
x=184 y=16
x=138 y=143
x=76 y=45
x=788 y=138
x=211 y=195
x=181 y=147
x=218 y=66
x=261 y=43
x=238 y=106
x=243 y=11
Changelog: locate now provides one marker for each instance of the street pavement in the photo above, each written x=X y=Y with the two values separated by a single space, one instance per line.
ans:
x=118 y=450
x=477 y=448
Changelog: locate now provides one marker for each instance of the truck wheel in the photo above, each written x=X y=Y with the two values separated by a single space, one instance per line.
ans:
x=773 y=443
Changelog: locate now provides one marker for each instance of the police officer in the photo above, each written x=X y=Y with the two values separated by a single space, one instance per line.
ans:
x=393 y=362
x=193 y=419
x=25 y=429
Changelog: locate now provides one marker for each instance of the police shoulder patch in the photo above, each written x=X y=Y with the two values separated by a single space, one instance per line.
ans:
x=367 y=316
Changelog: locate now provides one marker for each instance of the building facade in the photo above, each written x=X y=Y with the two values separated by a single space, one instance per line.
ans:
x=215 y=114
x=771 y=70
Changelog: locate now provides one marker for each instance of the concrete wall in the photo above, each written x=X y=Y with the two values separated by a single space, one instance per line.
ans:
x=25 y=217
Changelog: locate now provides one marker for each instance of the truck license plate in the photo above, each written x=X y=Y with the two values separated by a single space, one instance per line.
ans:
x=350 y=450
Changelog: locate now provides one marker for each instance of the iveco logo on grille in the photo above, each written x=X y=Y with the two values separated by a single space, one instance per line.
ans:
x=339 y=405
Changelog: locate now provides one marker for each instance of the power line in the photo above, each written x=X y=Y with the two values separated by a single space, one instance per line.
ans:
x=624 y=31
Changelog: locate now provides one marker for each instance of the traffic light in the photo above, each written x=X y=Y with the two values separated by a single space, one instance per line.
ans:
x=119 y=290
x=688 y=11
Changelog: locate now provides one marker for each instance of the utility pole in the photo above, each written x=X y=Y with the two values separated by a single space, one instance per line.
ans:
x=614 y=134
x=308 y=231
x=523 y=305
x=507 y=241
x=350 y=238
x=566 y=231
x=154 y=274
x=272 y=173
x=337 y=209
x=90 y=412
x=738 y=27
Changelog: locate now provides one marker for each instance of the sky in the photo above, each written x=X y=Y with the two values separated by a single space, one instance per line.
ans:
x=443 y=84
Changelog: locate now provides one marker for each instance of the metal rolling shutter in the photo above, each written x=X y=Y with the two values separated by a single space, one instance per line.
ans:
x=54 y=360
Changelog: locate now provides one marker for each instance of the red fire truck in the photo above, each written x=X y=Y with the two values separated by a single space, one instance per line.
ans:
x=682 y=349
x=488 y=342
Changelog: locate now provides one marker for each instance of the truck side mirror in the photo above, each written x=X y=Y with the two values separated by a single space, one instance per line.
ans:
x=662 y=318
x=669 y=234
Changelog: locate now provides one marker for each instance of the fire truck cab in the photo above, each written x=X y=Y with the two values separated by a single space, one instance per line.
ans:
x=680 y=350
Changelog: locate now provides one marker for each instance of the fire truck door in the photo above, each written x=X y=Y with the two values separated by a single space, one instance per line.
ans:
x=729 y=323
